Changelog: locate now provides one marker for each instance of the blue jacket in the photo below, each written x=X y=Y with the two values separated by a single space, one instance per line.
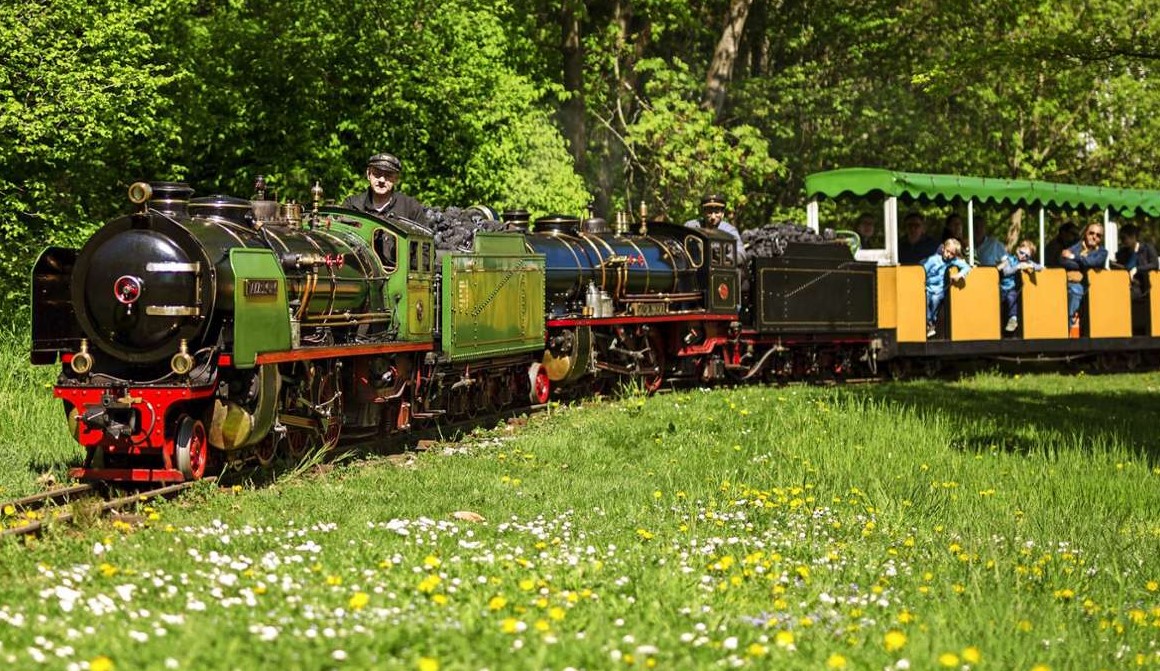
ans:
x=989 y=252
x=936 y=272
x=1008 y=272
x=1094 y=259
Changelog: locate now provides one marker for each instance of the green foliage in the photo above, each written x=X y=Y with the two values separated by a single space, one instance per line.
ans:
x=306 y=91
x=80 y=110
x=679 y=152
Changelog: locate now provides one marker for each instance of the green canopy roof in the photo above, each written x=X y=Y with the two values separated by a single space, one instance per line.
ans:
x=875 y=181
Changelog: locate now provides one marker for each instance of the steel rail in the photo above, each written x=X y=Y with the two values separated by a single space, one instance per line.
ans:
x=34 y=526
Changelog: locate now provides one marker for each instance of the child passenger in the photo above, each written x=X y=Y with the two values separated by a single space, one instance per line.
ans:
x=936 y=266
x=1009 y=267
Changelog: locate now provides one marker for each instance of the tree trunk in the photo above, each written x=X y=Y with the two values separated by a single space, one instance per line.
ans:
x=572 y=111
x=725 y=55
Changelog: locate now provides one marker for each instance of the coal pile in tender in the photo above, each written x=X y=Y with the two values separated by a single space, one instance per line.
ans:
x=454 y=227
x=771 y=240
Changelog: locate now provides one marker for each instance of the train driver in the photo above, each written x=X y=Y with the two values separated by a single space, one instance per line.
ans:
x=381 y=198
x=713 y=216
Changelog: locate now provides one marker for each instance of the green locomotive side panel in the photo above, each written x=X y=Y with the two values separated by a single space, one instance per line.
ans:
x=493 y=303
x=261 y=312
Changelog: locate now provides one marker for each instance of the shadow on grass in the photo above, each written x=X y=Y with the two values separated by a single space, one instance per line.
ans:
x=1022 y=420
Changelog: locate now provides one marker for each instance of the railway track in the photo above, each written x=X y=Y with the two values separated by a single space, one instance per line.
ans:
x=32 y=514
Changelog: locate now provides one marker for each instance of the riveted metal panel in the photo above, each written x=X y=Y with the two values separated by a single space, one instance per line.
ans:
x=493 y=304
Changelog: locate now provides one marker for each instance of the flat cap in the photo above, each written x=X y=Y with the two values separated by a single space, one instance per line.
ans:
x=713 y=200
x=388 y=162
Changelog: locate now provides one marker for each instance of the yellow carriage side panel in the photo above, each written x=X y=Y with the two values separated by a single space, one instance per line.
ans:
x=888 y=297
x=1109 y=304
x=1154 y=303
x=1043 y=304
x=911 y=292
x=974 y=306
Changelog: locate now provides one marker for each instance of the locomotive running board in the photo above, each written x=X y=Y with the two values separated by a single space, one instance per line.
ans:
x=128 y=474
x=615 y=321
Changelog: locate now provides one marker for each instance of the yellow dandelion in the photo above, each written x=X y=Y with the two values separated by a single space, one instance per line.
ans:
x=948 y=659
x=9 y=511
x=333 y=580
x=108 y=570
x=971 y=655
x=1152 y=585
x=439 y=599
x=497 y=602
x=836 y=661
x=894 y=640
x=1025 y=626
x=359 y=600
x=527 y=584
x=1065 y=594
x=542 y=625
x=783 y=639
x=756 y=650
x=1041 y=667
x=429 y=583
x=905 y=617
x=101 y=663
x=431 y=561
x=644 y=534
x=428 y=664
x=657 y=494
x=510 y=625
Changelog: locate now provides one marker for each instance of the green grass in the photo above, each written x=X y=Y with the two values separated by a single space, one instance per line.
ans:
x=995 y=522
x=34 y=440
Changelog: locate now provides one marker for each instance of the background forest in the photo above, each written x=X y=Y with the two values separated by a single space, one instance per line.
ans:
x=552 y=104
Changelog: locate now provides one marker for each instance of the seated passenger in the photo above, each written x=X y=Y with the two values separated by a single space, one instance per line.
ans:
x=1009 y=281
x=1138 y=258
x=953 y=227
x=1067 y=236
x=988 y=250
x=916 y=246
x=1077 y=260
x=936 y=266
x=866 y=228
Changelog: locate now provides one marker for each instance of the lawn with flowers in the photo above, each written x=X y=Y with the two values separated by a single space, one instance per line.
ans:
x=991 y=523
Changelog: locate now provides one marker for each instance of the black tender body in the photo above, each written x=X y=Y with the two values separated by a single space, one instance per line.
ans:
x=813 y=288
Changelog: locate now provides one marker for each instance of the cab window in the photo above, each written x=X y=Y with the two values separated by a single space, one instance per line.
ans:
x=387 y=248
x=427 y=257
x=696 y=251
x=730 y=252
x=414 y=266
x=715 y=251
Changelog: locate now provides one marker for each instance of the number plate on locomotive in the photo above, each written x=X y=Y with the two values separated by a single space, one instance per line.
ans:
x=258 y=288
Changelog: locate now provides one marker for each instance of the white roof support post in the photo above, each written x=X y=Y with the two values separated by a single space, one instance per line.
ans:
x=1042 y=237
x=1111 y=238
x=970 y=229
x=890 y=224
x=812 y=215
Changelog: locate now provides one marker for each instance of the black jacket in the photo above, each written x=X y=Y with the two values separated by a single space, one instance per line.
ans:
x=1146 y=261
x=400 y=204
